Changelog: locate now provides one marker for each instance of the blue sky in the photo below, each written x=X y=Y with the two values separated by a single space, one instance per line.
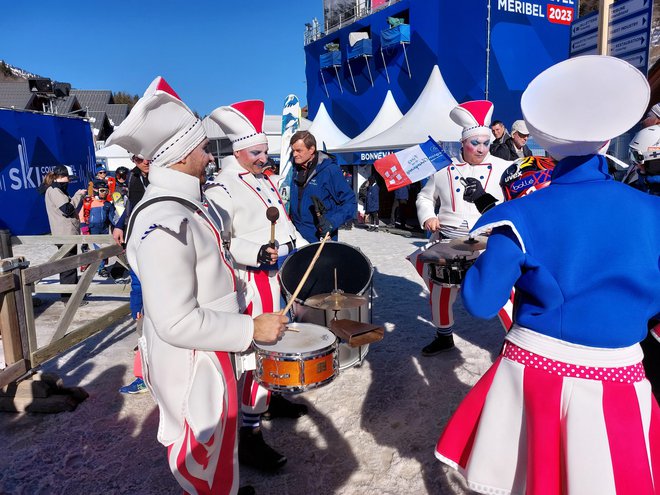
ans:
x=211 y=52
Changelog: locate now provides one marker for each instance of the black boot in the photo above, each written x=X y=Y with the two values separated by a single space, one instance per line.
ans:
x=280 y=407
x=253 y=451
x=246 y=490
x=440 y=344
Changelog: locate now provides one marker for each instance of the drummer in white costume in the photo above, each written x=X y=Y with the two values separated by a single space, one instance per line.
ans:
x=191 y=314
x=241 y=194
x=456 y=215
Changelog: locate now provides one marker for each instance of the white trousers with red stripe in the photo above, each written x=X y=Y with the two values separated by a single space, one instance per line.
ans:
x=442 y=298
x=551 y=418
x=210 y=468
x=267 y=299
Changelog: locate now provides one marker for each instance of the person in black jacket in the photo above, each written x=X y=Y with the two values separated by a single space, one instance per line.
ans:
x=514 y=147
x=138 y=180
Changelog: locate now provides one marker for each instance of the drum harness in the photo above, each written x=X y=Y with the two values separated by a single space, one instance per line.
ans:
x=240 y=362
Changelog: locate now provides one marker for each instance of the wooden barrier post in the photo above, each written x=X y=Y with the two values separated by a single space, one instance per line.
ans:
x=12 y=321
x=20 y=388
x=5 y=244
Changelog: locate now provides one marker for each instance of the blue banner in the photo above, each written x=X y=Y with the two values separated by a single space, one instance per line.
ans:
x=394 y=36
x=31 y=144
x=359 y=49
x=330 y=59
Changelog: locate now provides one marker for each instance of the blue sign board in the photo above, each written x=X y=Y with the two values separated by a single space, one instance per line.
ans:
x=629 y=33
x=31 y=145
x=584 y=25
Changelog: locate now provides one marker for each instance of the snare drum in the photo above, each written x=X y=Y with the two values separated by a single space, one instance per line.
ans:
x=301 y=360
x=447 y=265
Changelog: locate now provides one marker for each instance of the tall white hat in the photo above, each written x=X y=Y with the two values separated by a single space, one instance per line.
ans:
x=160 y=127
x=474 y=117
x=574 y=107
x=242 y=123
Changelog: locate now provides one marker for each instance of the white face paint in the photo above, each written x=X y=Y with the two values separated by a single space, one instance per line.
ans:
x=475 y=149
x=253 y=158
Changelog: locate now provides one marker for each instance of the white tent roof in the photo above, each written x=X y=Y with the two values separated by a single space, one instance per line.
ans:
x=429 y=116
x=388 y=115
x=113 y=151
x=325 y=130
x=115 y=156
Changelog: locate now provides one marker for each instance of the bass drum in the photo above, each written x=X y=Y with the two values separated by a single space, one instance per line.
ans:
x=354 y=276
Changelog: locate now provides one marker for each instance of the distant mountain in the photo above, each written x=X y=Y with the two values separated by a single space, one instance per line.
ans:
x=9 y=72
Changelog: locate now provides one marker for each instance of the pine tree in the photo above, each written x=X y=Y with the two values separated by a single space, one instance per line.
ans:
x=5 y=70
x=121 y=97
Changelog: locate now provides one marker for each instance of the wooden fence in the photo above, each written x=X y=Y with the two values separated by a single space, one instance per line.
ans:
x=19 y=280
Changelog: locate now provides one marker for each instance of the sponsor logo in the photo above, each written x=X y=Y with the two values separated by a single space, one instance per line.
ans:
x=25 y=176
x=374 y=155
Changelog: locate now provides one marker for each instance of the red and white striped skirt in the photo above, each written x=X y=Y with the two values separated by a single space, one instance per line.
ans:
x=551 y=417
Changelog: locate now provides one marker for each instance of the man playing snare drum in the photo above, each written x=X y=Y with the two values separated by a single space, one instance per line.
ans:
x=457 y=216
x=241 y=194
x=191 y=314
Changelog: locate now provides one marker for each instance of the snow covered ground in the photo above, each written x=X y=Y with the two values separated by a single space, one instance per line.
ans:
x=371 y=431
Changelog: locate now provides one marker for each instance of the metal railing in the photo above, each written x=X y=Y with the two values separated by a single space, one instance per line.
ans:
x=342 y=20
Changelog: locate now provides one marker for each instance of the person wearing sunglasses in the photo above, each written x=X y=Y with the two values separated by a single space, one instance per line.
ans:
x=101 y=213
x=101 y=172
x=515 y=146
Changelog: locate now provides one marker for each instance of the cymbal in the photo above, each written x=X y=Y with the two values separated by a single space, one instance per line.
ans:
x=469 y=243
x=335 y=301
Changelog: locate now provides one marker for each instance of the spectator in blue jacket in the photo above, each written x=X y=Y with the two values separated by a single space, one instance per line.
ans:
x=321 y=200
x=372 y=201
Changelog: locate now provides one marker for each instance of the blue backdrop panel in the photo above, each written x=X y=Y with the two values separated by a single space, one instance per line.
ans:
x=524 y=42
x=31 y=144
x=359 y=49
x=394 y=36
x=453 y=35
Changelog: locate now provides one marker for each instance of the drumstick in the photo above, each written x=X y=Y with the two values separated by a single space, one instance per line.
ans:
x=304 y=277
x=272 y=214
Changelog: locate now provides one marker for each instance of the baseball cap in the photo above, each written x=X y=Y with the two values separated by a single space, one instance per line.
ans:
x=520 y=127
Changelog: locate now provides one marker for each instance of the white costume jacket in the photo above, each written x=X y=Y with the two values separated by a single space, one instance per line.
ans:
x=191 y=307
x=457 y=216
x=241 y=199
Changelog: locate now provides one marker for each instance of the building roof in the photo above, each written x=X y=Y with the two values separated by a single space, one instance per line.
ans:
x=67 y=105
x=94 y=99
x=16 y=95
x=117 y=112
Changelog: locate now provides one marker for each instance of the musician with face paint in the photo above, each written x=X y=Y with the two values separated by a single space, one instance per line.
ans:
x=457 y=215
x=245 y=198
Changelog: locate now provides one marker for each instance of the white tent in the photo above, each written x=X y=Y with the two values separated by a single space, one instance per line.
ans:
x=325 y=131
x=115 y=156
x=388 y=115
x=429 y=116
